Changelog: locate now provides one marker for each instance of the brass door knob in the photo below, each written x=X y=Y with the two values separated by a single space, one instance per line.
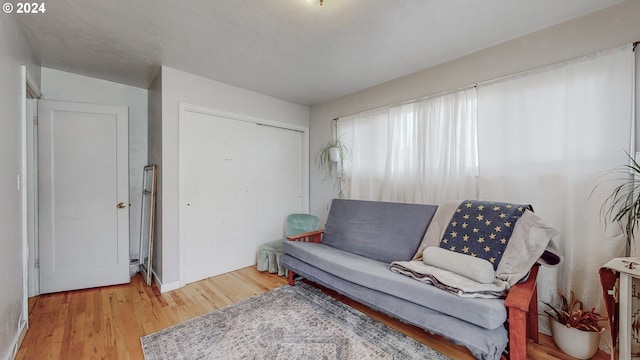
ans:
x=121 y=205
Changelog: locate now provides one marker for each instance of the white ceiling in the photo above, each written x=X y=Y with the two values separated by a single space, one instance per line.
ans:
x=291 y=49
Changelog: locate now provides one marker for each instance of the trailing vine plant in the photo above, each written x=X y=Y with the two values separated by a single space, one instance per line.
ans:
x=331 y=158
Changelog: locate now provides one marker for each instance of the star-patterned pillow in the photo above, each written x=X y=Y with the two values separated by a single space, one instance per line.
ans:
x=482 y=229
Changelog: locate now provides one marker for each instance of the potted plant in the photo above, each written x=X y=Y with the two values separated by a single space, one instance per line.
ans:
x=575 y=331
x=623 y=205
x=330 y=160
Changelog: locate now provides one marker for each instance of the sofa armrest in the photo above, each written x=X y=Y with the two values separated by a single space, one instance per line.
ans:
x=312 y=236
x=522 y=303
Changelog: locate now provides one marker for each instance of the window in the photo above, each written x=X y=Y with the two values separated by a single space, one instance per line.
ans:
x=424 y=151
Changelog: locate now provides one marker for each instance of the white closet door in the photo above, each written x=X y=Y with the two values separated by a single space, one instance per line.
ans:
x=218 y=195
x=239 y=180
x=280 y=189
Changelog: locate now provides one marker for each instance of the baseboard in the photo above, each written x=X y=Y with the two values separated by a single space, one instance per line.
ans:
x=165 y=287
x=16 y=345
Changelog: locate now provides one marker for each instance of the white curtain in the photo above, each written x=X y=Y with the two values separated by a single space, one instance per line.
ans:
x=420 y=152
x=635 y=246
x=366 y=134
x=546 y=139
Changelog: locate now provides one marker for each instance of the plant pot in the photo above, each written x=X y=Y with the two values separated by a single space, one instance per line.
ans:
x=577 y=343
x=334 y=154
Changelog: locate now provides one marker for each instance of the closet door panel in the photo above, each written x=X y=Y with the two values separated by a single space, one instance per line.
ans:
x=280 y=189
x=238 y=182
x=218 y=195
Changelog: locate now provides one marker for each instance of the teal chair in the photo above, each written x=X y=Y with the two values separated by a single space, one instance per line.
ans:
x=269 y=253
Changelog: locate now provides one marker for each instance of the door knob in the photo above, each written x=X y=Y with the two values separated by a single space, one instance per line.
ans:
x=122 y=205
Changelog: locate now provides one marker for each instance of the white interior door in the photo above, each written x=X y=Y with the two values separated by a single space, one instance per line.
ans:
x=83 y=195
x=238 y=182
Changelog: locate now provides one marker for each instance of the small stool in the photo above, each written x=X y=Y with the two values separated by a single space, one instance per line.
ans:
x=269 y=258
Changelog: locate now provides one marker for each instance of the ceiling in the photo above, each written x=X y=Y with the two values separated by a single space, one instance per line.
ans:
x=295 y=50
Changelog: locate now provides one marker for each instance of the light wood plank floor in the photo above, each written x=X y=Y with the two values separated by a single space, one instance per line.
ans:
x=107 y=323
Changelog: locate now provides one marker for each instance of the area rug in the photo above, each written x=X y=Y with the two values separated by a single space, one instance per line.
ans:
x=298 y=322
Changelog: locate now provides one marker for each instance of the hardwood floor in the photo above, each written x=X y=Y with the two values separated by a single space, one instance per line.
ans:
x=107 y=323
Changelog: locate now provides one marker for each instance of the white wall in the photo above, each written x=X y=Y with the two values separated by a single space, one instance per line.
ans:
x=601 y=30
x=155 y=157
x=60 y=85
x=178 y=86
x=14 y=52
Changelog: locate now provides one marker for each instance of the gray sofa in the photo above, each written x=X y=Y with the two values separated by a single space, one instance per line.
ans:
x=352 y=256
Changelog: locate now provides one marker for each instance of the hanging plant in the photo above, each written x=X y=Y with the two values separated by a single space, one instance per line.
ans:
x=331 y=157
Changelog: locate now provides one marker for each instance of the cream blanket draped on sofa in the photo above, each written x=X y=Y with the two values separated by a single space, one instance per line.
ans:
x=531 y=241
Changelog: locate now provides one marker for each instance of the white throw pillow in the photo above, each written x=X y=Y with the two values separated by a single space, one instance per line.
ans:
x=473 y=268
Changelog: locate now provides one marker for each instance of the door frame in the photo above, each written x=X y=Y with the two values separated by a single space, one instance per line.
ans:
x=183 y=108
x=30 y=157
x=25 y=182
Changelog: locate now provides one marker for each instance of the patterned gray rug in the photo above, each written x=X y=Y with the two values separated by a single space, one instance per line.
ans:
x=297 y=322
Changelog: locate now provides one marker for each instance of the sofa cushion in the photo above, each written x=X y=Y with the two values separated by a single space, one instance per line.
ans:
x=486 y=344
x=381 y=231
x=486 y=313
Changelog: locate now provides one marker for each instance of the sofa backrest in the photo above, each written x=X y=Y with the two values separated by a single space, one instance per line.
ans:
x=381 y=231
